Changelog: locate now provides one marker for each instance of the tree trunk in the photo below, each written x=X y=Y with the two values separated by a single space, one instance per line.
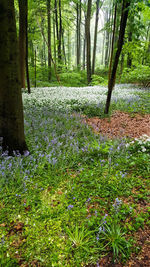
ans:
x=84 y=42
x=35 y=68
x=63 y=45
x=78 y=7
x=22 y=39
x=103 y=49
x=88 y=41
x=60 y=35
x=54 y=38
x=11 y=108
x=112 y=44
x=27 y=67
x=111 y=83
x=95 y=35
x=49 y=38
x=108 y=36
x=68 y=50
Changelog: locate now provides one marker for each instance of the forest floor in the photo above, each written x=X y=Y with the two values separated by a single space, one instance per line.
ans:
x=121 y=124
x=130 y=126
x=79 y=197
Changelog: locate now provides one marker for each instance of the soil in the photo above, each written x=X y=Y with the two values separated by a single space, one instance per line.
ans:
x=121 y=124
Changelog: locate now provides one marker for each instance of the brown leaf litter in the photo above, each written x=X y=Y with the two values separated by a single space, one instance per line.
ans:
x=121 y=124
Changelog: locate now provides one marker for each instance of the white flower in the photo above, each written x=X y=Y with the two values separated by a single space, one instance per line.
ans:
x=143 y=149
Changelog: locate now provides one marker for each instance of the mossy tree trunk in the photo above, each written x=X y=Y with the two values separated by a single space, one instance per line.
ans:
x=11 y=108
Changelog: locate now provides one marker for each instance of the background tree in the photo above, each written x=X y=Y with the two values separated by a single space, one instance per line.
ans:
x=95 y=33
x=22 y=39
x=123 y=22
x=11 y=109
x=88 y=40
x=49 y=37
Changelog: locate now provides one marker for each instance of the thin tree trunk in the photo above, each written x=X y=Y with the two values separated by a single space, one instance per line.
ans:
x=54 y=38
x=60 y=35
x=22 y=40
x=78 y=7
x=95 y=34
x=88 y=41
x=63 y=45
x=112 y=44
x=84 y=42
x=56 y=20
x=27 y=66
x=49 y=38
x=77 y=34
x=103 y=49
x=124 y=16
x=106 y=42
x=35 y=68
x=11 y=107
x=80 y=14
x=68 y=48
x=84 y=49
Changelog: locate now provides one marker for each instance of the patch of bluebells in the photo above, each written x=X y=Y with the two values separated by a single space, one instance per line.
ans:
x=70 y=207
x=117 y=205
x=102 y=227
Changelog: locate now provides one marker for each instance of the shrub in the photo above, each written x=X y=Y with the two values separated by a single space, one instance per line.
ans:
x=140 y=75
x=96 y=79
x=73 y=78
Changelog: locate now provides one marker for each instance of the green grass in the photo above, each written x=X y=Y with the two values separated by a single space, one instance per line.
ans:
x=75 y=198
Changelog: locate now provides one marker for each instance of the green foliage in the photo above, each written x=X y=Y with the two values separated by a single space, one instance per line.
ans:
x=80 y=237
x=140 y=75
x=113 y=238
x=96 y=80
x=103 y=72
x=73 y=78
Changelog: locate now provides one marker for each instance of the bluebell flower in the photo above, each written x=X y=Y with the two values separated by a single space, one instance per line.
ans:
x=97 y=238
x=88 y=200
x=70 y=207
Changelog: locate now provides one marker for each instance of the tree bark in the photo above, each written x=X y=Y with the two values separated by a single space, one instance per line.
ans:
x=54 y=39
x=111 y=83
x=95 y=35
x=11 y=108
x=60 y=35
x=22 y=39
x=112 y=44
x=35 y=68
x=49 y=38
x=63 y=46
x=78 y=27
x=27 y=66
x=88 y=41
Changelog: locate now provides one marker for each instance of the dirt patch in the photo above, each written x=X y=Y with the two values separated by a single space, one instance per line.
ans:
x=121 y=124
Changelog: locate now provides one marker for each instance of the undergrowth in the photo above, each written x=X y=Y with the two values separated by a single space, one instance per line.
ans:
x=76 y=196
